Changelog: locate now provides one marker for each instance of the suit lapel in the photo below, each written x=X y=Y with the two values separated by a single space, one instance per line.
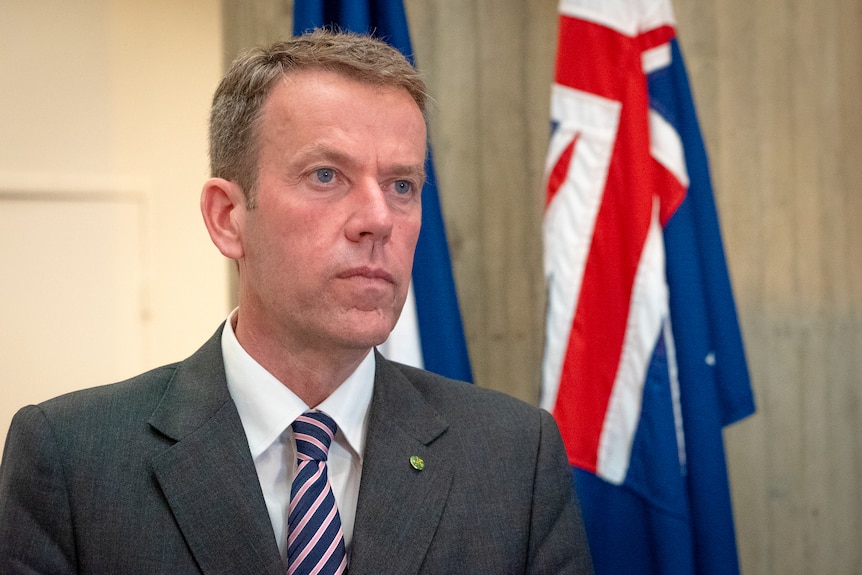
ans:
x=208 y=477
x=399 y=506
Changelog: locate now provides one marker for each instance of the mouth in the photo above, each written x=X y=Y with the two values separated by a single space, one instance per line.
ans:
x=367 y=273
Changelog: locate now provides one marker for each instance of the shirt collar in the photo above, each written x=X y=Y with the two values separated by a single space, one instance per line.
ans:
x=267 y=407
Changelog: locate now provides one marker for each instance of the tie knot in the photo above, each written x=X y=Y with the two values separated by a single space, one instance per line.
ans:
x=313 y=432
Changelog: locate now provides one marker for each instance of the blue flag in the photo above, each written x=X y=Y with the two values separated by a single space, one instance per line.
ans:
x=430 y=333
x=644 y=362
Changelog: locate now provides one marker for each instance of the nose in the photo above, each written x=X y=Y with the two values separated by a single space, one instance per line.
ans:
x=371 y=214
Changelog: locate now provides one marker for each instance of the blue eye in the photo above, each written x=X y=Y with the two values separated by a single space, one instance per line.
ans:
x=325 y=175
x=403 y=187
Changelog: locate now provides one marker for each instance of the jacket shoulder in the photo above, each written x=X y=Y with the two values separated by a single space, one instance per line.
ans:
x=139 y=392
x=458 y=401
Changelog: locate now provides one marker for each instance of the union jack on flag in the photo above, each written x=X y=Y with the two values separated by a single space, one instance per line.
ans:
x=644 y=362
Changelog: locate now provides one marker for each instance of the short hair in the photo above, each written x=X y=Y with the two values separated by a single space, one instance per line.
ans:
x=239 y=98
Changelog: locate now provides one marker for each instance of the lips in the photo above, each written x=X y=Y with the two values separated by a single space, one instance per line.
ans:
x=367 y=272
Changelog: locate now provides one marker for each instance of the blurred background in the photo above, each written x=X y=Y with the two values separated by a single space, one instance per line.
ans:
x=107 y=269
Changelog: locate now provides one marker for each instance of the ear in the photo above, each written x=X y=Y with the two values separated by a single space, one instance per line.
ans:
x=223 y=208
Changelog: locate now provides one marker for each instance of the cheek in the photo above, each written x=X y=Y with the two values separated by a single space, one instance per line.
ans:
x=407 y=250
x=413 y=227
x=279 y=250
x=298 y=233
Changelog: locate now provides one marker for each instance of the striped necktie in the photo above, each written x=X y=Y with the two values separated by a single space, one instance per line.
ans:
x=315 y=542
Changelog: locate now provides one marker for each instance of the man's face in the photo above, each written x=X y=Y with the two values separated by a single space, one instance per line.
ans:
x=328 y=246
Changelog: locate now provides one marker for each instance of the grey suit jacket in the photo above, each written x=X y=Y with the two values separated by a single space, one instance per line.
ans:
x=154 y=475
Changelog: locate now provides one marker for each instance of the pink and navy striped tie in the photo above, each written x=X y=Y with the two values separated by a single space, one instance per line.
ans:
x=315 y=541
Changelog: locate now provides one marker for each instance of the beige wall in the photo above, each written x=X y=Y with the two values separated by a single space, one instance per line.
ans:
x=106 y=266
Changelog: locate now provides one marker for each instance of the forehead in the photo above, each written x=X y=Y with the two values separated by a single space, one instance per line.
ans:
x=324 y=86
x=325 y=105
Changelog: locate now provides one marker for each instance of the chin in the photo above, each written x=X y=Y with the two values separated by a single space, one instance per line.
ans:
x=374 y=339
x=367 y=332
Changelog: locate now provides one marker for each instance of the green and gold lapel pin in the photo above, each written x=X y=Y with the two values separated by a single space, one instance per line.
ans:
x=417 y=462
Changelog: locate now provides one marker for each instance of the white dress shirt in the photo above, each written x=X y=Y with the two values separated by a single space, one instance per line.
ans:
x=267 y=408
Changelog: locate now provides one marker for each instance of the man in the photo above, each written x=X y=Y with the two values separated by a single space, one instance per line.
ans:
x=317 y=147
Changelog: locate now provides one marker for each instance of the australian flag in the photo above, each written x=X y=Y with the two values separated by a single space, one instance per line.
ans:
x=644 y=362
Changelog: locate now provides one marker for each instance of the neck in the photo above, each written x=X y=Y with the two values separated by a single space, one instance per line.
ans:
x=311 y=373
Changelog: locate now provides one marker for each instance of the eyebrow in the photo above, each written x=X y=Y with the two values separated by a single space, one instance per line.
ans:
x=323 y=152
x=416 y=171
